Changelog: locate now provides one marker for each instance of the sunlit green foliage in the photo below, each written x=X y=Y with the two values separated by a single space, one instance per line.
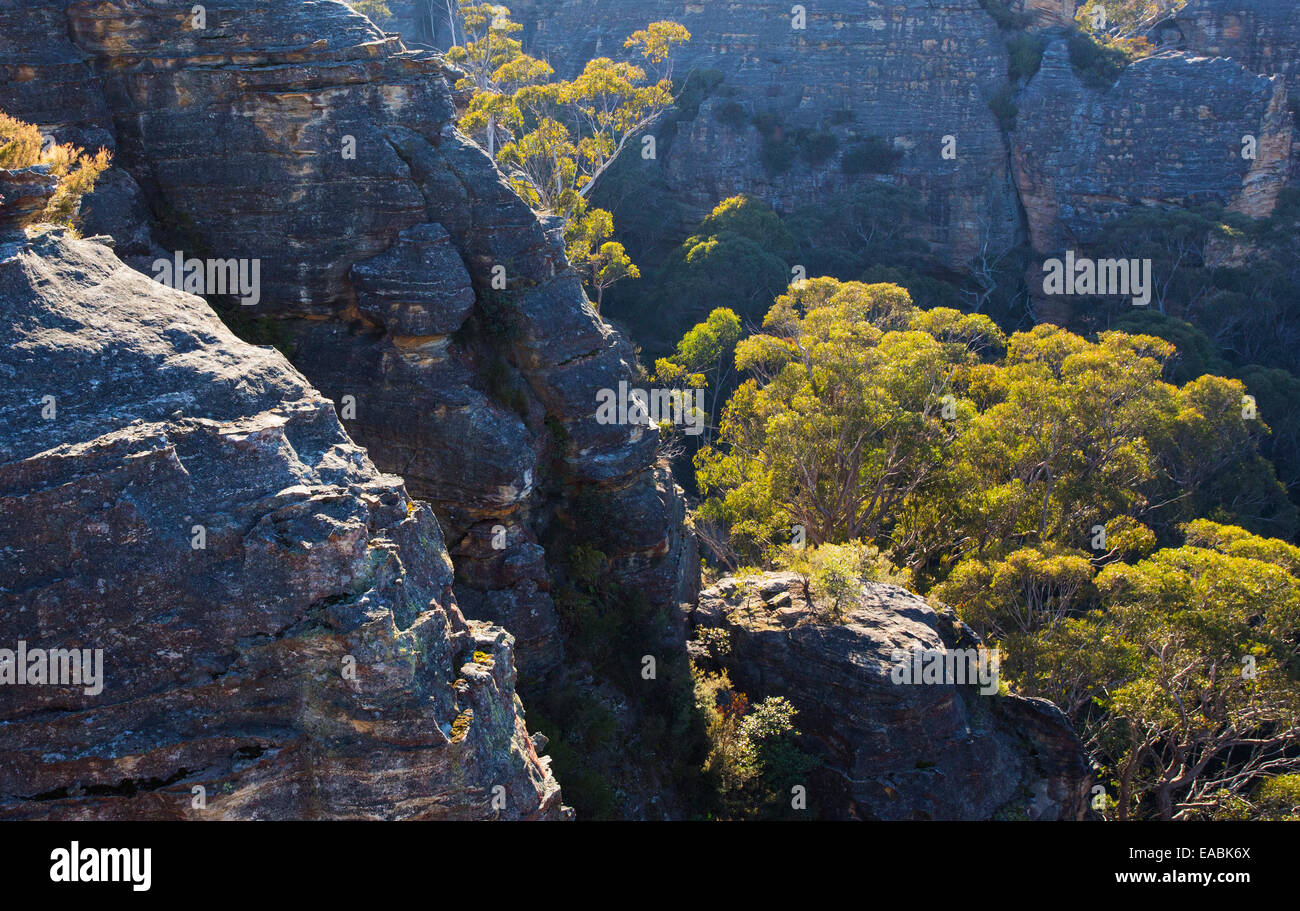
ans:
x=1076 y=508
x=1185 y=682
x=377 y=11
x=754 y=749
x=556 y=138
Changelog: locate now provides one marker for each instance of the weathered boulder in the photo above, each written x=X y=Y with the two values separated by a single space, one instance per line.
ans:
x=417 y=287
x=894 y=750
x=275 y=615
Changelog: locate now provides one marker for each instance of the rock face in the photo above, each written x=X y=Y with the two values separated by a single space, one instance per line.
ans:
x=275 y=615
x=915 y=71
x=416 y=288
x=425 y=22
x=908 y=71
x=1261 y=35
x=1170 y=131
x=891 y=750
x=24 y=194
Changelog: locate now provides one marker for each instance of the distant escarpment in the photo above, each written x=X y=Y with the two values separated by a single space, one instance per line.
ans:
x=1261 y=35
x=978 y=107
x=212 y=604
x=793 y=103
x=893 y=750
x=1171 y=130
x=399 y=271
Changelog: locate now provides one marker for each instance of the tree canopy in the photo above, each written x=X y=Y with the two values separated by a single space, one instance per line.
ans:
x=1117 y=535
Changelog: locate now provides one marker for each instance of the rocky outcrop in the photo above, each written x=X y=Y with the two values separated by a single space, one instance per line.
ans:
x=275 y=617
x=1169 y=131
x=417 y=291
x=908 y=71
x=894 y=750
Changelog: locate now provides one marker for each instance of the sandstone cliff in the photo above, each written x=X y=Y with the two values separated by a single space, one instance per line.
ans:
x=275 y=615
x=1169 y=131
x=415 y=289
x=1261 y=35
x=1046 y=14
x=894 y=751
x=908 y=71
x=914 y=71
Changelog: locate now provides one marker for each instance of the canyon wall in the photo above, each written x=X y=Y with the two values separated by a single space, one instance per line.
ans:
x=1261 y=35
x=907 y=71
x=1169 y=131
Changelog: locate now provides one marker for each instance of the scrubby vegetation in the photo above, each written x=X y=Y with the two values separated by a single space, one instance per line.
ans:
x=377 y=11
x=21 y=146
x=1026 y=55
x=1097 y=62
x=870 y=155
x=754 y=754
x=626 y=729
x=1122 y=23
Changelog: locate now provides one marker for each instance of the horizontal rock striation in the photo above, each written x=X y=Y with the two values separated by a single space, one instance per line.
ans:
x=1169 y=131
x=278 y=630
x=24 y=194
x=415 y=288
x=914 y=71
x=908 y=71
x=894 y=751
x=1261 y=35
x=1046 y=14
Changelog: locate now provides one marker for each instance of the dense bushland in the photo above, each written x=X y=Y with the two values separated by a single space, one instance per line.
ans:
x=1120 y=536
